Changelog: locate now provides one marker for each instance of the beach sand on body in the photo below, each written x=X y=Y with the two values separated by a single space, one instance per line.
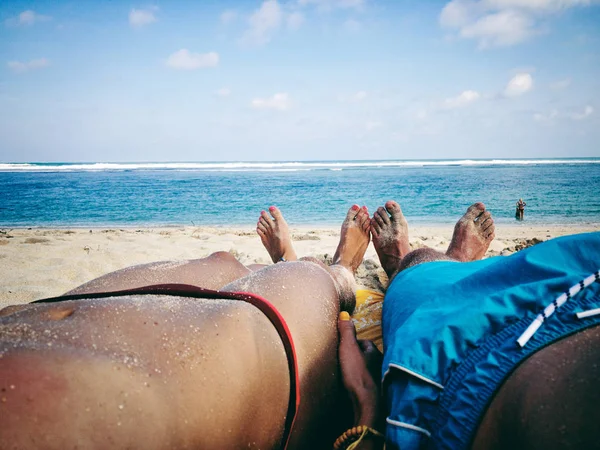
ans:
x=38 y=263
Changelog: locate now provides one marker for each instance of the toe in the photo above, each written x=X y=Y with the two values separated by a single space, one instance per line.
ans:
x=366 y=225
x=384 y=215
x=484 y=219
x=362 y=218
x=379 y=219
x=266 y=220
x=474 y=211
x=488 y=223
x=490 y=233
x=375 y=227
x=261 y=228
x=276 y=213
x=394 y=209
x=352 y=212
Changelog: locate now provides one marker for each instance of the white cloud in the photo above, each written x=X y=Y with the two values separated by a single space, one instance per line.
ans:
x=518 y=85
x=501 y=23
x=263 y=23
x=560 y=84
x=141 y=17
x=540 y=117
x=329 y=5
x=185 y=60
x=279 y=102
x=295 y=20
x=537 y=5
x=464 y=99
x=457 y=14
x=555 y=114
x=359 y=96
x=229 y=16
x=500 y=29
x=27 y=18
x=352 y=25
x=588 y=111
x=224 y=92
x=20 y=67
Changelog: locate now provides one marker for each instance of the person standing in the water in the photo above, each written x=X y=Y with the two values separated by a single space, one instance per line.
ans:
x=520 y=212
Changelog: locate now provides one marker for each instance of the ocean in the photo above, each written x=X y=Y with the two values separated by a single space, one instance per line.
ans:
x=557 y=191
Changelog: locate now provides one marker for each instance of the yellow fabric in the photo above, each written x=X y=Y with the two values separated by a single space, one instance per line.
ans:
x=367 y=316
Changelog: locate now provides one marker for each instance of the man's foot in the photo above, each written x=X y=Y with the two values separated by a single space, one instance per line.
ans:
x=275 y=235
x=354 y=238
x=390 y=236
x=473 y=234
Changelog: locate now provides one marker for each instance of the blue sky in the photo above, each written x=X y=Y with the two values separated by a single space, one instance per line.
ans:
x=298 y=80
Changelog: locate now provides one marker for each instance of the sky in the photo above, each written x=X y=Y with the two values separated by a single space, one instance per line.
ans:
x=210 y=80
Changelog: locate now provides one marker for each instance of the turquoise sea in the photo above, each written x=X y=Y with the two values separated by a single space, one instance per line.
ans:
x=309 y=193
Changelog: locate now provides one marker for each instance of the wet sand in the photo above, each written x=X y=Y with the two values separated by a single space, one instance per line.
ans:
x=37 y=263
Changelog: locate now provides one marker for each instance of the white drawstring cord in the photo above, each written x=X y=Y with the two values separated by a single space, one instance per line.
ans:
x=590 y=313
x=552 y=307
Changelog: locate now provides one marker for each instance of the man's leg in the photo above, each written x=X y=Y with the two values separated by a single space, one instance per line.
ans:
x=550 y=401
x=472 y=236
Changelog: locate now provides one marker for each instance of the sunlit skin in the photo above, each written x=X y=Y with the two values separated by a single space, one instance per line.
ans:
x=169 y=372
x=550 y=401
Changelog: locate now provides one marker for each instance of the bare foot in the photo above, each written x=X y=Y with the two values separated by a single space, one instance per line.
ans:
x=354 y=238
x=390 y=236
x=473 y=234
x=275 y=235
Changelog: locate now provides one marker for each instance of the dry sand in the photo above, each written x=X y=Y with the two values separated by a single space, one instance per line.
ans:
x=38 y=263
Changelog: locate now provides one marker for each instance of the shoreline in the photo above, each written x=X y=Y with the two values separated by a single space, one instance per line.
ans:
x=44 y=262
x=503 y=223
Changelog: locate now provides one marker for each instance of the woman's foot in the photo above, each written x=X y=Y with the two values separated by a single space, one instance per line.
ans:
x=473 y=234
x=275 y=235
x=390 y=236
x=354 y=238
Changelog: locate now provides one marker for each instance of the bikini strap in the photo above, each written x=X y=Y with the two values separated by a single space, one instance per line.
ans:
x=266 y=307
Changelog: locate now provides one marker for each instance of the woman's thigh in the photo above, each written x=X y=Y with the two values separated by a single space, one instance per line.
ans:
x=212 y=272
x=183 y=368
x=305 y=294
x=141 y=372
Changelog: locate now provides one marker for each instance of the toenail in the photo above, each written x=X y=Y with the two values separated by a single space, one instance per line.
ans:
x=355 y=207
x=271 y=208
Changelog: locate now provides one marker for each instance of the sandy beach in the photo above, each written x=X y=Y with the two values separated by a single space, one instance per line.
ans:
x=43 y=262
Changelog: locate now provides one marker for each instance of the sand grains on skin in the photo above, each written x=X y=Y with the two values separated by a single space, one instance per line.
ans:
x=354 y=238
x=389 y=229
x=275 y=235
x=473 y=234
